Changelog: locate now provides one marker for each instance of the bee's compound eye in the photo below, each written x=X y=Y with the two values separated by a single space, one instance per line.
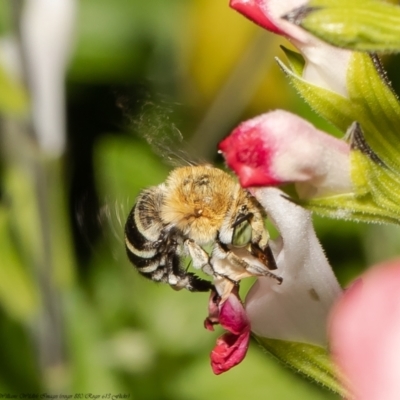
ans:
x=242 y=234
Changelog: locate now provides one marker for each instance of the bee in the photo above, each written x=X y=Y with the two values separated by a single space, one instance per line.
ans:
x=198 y=206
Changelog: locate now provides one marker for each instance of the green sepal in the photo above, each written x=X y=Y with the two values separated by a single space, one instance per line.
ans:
x=375 y=196
x=352 y=208
x=370 y=101
x=309 y=360
x=296 y=60
x=329 y=105
x=375 y=159
x=368 y=25
x=382 y=183
x=375 y=106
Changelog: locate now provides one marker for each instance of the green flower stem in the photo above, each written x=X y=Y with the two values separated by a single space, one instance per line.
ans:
x=34 y=187
x=14 y=278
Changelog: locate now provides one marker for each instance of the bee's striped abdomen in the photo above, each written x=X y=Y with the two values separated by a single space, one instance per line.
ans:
x=153 y=248
x=145 y=254
x=143 y=236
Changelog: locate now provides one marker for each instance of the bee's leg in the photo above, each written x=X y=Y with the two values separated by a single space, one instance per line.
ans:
x=265 y=256
x=200 y=258
x=179 y=279
x=237 y=268
x=259 y=243
x=196 y=284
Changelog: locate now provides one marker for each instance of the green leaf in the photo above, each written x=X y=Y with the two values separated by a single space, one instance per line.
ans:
x=306 y=359
x=368 y=25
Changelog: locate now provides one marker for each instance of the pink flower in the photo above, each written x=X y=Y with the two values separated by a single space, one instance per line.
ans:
x=278 y=147
x=326 y=66
x=232 y=347
x=365 y=334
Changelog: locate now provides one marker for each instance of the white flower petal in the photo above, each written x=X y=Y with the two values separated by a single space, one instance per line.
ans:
x=326 y=66
x=297 y=309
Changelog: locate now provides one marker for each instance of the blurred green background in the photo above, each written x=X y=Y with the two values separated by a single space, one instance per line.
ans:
x=92 y=326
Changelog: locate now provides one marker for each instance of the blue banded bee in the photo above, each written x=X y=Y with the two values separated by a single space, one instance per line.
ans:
x=198 y=206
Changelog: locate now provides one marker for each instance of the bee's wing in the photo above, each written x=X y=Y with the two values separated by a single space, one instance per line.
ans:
x=153 y=123
x=168 y=143
x=102 y=222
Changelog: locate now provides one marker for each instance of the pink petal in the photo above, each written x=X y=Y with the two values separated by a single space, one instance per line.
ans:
x=268 y=13
x=256 y=11
x=365 y=334
x=231 y=347
x=229 y=351
x=232 y=316
x=280 y=147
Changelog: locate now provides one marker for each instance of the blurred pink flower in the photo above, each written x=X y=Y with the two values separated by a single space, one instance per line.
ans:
x=326 y=66
x=364 y=333
x=279 y=147
x=231 y=347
